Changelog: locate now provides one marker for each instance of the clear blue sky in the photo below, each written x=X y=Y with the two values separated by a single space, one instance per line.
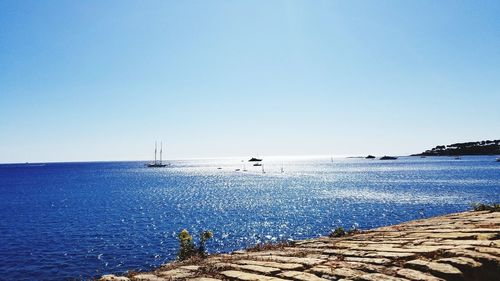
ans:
x=101 y=80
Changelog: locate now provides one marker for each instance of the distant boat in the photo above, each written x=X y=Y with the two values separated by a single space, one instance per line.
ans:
x=282 y=169
x=497 y=160
x=388 y=158
x=457 y=158
x=157 y=164
x=422 y=156
x=263 y=171
x=257 y=164
x=35 y=165
x=370 y=157
x=253 y=159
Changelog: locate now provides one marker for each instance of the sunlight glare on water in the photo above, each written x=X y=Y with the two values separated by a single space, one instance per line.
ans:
x=67 y=220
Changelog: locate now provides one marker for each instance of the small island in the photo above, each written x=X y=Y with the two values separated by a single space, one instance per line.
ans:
x=388 y=158
x=486 y=147
x=253 y=159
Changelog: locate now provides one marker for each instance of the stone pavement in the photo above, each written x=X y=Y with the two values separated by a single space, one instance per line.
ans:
x=463 y=246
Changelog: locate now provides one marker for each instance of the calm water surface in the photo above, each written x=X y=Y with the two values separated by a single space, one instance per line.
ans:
x=62 y=221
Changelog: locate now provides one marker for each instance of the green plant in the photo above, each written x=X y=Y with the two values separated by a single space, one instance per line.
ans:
x=186 y=245
x=204 y=236
x=187 y=248
x=338 y=232
x=495 y=207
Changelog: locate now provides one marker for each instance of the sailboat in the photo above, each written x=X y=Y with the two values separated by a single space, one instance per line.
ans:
x=282 y=169
x=263 y=171
x=157 y=164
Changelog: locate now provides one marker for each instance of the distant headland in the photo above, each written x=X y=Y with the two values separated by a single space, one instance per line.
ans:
x=486 y=147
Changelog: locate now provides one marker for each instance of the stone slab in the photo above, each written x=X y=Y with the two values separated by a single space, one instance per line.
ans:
x=148 y=277
x=304 y=261
x=416 y=275
x=380 y=277
x=178 y=273
x=300 y=276
x=245 y=276
x=112 y=277
x=442 y=270
x=288 y=266
x=336 y=272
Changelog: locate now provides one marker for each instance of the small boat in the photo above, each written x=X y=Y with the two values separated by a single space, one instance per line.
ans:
x=370 y=157
x=257 y=164
x=388 y=158
x=497 y=160
x=282 y=169
x=263 y=171
x=157 y=164
x=219 y=168
x=457 y=158
x=253 y=159
x=236 y=170
x=35 y=165
x=422 y=157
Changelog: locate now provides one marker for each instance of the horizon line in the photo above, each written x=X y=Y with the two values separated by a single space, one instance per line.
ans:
x=200 y=158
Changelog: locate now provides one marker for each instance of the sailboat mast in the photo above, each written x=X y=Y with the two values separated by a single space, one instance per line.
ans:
x=155 y=151
x=161 y=150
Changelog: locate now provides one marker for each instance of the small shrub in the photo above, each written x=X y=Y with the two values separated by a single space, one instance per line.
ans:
x=187 y=248
x=338 y=232
x=204 y=236
x=495 y=207
x=186 y=245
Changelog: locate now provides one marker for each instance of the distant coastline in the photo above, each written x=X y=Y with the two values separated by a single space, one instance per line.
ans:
x=486 y=147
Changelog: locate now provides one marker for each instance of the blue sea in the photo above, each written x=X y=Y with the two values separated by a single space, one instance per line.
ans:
x=67 y=221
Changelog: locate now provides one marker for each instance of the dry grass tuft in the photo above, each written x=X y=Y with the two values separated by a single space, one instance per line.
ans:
x=270 y=246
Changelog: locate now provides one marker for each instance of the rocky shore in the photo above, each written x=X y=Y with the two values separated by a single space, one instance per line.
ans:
x=463 y=246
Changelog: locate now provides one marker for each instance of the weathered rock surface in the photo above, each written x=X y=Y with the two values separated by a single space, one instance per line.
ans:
x=416 y=275
x=463 y=246
x=244 y=276
x=443 y=270
x=112 y=277
x=148 y=277
x=178 y=273
x=301 y=276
